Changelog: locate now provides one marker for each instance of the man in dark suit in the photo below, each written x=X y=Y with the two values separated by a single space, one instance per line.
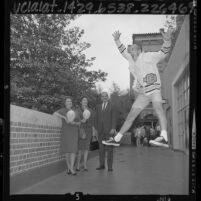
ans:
x=105 y=124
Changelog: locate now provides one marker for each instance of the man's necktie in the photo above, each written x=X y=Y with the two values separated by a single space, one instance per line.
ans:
x=104 y=105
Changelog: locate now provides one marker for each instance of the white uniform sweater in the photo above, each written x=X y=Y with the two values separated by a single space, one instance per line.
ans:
x=144 y=69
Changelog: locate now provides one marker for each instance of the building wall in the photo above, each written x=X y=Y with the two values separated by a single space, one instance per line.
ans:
x=177 y=63
x=34 y=139
x=150 y=42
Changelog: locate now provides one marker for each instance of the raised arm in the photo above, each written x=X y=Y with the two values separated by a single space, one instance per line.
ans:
x=163 y=52
x=122 y=49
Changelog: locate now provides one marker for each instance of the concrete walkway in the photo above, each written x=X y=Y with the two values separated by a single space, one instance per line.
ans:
x=144 y=170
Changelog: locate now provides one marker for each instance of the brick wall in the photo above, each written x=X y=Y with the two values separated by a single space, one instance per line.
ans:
x=34 y=139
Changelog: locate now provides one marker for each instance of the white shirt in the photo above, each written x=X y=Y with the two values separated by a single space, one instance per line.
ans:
x=144 y=69
x=104 y=105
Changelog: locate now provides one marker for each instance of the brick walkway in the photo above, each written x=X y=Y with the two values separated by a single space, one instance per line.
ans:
x=144 y=170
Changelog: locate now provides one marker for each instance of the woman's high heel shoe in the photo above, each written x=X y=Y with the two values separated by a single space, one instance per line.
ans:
x=73 y=173
x=68 y=172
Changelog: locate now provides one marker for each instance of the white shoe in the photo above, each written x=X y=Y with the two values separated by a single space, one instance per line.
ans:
x=159 y=142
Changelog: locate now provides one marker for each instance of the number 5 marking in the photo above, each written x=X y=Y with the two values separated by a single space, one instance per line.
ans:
x=77 y=196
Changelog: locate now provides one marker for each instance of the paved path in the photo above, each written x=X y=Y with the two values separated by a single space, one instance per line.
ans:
x=144 y=170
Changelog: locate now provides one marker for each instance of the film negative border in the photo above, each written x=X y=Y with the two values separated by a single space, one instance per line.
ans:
x=116 y=7
x=103 y=7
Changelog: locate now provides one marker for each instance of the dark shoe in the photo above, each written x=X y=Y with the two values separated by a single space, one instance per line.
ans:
x=85 y=169
x=159 y=142
x=110 y=169
x=100 y=168
x=74 y=173
x=68 y=172
x=77 y=169
x=111 y=141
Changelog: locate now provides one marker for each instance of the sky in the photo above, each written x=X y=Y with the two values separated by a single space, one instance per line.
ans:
x=98 y=32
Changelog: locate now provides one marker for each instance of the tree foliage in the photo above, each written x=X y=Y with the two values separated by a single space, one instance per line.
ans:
x=122 y=102
x=173 y=21
x=47 y=62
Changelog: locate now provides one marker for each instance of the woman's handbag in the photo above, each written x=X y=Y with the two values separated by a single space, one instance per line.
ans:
x=82 y=133
x=94 y=143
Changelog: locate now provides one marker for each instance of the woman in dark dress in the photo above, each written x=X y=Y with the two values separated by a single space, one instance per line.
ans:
x=87 y=122
x=69 y=133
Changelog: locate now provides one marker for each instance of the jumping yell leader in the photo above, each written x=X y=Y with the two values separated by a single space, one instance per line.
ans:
x=147 y=83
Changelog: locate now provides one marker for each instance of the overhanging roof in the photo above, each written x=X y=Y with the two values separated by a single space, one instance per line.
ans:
x=141 y=34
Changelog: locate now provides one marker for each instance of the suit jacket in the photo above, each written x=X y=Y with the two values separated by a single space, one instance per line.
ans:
x=105 y=120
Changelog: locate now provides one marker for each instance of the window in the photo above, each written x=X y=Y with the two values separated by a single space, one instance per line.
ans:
x=183 y=109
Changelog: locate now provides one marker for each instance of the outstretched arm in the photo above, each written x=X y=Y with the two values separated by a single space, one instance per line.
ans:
x=116 y=35
x=163 y=52
x=59 y=115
